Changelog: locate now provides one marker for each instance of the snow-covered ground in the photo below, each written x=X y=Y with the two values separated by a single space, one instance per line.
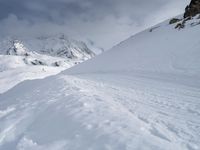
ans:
x=144 y=94
x=13 y=70
x=105 y=111
x=160 y=49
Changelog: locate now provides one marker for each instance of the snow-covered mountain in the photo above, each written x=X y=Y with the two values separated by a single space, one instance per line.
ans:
x=33 y=49
x=25 y=58
x=141 y=95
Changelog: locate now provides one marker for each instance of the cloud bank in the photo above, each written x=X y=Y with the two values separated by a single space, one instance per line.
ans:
x=106 y=22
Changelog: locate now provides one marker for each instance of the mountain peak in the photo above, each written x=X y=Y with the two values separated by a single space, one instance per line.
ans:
x=17 y=48
x=52 y=50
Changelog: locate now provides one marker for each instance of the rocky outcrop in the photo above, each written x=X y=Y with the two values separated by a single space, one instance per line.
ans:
x=17 y=48
x=174 y=20
x=192 y=9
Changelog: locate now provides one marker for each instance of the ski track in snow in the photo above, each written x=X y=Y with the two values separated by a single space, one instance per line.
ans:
x=97 y=115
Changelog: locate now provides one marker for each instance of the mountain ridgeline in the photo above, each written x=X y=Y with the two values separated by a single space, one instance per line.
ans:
x=66 y=50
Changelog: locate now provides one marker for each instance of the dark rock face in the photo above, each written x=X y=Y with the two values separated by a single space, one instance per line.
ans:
x=174 y=20
x=192 y=9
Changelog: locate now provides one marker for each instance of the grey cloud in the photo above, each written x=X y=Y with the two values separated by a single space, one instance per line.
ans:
x=107 y=22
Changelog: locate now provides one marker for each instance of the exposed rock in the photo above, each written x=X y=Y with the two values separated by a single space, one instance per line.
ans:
x=192 y=9
x=37 y=62
x=154 y=28
x=174 y=20
x=180 y=26
x=17 y=48
x=57 y=64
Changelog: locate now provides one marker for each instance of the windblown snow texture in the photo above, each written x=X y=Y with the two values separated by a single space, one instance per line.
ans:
x=141 y=95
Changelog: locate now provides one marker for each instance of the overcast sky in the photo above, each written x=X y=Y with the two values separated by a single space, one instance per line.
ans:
x=106 y=22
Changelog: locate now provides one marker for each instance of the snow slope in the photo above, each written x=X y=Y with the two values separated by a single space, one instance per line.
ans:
x=141 y=95
x=160 y=49
x=13 y=70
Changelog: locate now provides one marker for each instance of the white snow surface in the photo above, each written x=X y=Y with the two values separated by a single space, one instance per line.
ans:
x=144 y=94
x=160 y=49
x=13 y=70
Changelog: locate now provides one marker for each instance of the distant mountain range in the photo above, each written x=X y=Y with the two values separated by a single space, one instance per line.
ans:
x=58 y=50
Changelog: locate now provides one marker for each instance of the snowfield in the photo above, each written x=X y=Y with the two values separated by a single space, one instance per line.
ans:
x=160 y=49
x=13 y=70
x=144 y=94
